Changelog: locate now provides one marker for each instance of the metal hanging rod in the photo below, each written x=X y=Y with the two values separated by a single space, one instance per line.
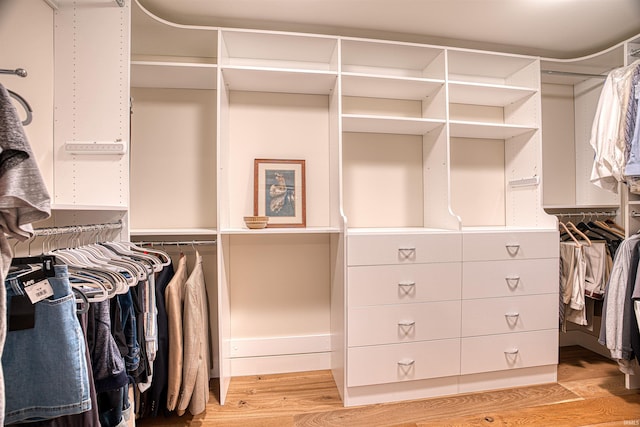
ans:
x=634 y=52
x=73 y=229
x=18 y=72
x=573 y=74
x=586 y=214
x=178 y=243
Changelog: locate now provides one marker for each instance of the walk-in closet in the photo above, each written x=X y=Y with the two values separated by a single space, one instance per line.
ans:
x=437 y=189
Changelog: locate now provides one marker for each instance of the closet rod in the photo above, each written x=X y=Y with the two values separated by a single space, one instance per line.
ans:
x=635 y=52
x=586 y=214
x=573 y=74
x=70 y=229
x=18 y=72
x=178 y=243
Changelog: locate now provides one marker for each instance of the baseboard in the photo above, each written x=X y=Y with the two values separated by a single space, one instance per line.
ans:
x=272 y=355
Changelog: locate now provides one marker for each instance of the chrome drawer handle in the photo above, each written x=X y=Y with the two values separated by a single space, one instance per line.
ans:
x=406 y=363
x=407 y=284
x=406 y=253
x=511 y=315
x=511 y=352
x=513 y=248
x=407 y=324
x=512 y=282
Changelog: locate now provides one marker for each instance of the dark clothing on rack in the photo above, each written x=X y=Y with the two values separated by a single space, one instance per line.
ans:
x=155 y=398
x=108 y=366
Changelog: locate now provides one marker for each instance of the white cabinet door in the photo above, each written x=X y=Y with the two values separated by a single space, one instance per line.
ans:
x=509 y=351
x=372 y=249
x=395 y=284
x=402 y=362
x=486 y=279
x=506 y=315
x=389 y=324
x=489 y=246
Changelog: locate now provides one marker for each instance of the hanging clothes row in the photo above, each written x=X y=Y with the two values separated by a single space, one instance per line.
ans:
x=615 y=134
x=620 y=327
x=587 y=249
x=114 y=356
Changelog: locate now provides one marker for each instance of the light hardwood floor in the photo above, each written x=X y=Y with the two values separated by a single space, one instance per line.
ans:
x=590 y=392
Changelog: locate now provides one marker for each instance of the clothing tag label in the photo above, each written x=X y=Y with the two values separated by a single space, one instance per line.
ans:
x=22 y=313
x=38 y=291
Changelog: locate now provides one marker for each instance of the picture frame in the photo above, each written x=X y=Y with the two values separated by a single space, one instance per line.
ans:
x=279 y=192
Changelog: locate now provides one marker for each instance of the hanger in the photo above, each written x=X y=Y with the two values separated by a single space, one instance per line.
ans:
x=23 y=102
x=584 y=237
x=566 y=230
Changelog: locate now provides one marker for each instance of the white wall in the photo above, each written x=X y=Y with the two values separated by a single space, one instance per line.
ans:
x=26 y=31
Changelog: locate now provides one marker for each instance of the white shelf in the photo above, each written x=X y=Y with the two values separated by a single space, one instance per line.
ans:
x=462 y=129
x=256 y=79
x=371 y=86
x=176 y=75
x=486 y=94
x=392 y=125
x=173 y=231
x=278 y=50
x=64 y=207
x=283 y=230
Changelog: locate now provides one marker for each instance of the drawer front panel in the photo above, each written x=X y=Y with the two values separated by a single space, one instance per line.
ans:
x=510 y=245
x=403 y=248
x=402 y=362
x=485 y=279
x=509 y=351
x=395 y=284
x=506 y=315
x=389 y=324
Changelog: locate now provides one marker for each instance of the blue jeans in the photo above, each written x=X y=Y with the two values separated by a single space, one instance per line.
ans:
x=45 y=368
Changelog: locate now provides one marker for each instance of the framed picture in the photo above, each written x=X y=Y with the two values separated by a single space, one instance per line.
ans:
x=279 y=192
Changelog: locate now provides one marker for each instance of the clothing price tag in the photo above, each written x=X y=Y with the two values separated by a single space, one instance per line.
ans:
x=38 y=291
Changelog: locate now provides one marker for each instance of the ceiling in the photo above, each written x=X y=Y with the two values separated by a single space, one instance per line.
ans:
x=548 y=28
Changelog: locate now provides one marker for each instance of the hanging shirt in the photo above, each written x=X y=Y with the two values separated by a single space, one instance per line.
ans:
x=608 y=129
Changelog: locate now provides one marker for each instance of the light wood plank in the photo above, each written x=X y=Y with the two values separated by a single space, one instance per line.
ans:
x=625 y=410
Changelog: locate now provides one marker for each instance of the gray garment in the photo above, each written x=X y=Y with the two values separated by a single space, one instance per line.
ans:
x=23 y=196
x=616 y=315
x=23 y=200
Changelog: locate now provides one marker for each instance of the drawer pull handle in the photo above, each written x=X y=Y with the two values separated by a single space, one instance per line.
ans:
x=406 y=363
x=406 y=253
x=513 y=248
x=512 y=282
x=511 y=352
x=407 y=324
x=512 y=315
x=407 y=284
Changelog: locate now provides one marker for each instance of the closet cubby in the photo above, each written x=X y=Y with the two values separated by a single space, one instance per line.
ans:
x=393 y=135
x=494 y=122
x=173 y=128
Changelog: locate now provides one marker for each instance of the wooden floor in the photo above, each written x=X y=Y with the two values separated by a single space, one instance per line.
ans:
x=590 y=392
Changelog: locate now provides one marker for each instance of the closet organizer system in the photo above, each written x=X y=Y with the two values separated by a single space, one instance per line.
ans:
x=428 y=264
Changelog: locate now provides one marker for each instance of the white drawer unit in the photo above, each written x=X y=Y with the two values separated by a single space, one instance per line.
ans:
x=509 y=351
x=395 y=284
x=508 y=245
x=405 y=248
x=508 y=315
x=485 y=279
x=403 y=323
x=402 y=362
